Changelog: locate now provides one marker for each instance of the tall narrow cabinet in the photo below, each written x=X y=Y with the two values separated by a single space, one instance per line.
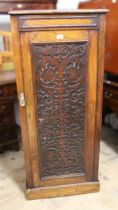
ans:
x=59 y=60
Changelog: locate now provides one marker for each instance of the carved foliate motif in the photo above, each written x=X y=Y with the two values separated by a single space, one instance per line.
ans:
x=60 y=87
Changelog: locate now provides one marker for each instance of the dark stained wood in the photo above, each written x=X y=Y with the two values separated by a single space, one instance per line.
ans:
x=8 y=5
x=8 y=134
x=60 y=94
x=60 y=73
x=111 y=43
x=111 y=95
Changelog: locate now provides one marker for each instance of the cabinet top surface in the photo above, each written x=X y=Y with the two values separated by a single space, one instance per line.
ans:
x=58 y=12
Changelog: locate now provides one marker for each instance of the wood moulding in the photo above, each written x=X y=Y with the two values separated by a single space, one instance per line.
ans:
x=64 y=190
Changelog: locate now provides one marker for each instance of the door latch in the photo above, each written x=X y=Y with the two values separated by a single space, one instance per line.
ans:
x=22 y=100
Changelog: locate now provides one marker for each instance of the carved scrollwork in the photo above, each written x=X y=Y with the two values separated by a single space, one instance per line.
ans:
x=60 y=87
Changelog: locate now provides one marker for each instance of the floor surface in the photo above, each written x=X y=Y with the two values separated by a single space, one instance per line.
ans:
x=12 y=182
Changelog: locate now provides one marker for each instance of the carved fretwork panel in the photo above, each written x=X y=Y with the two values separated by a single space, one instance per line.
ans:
x=60 y=89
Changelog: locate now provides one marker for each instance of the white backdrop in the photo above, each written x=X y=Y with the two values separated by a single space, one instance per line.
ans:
x=68 y=4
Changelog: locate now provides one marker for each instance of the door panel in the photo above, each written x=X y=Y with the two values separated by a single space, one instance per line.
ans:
x=60 y=100
x=60 y=89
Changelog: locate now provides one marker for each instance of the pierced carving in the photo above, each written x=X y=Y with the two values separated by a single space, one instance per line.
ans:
x=60 y=86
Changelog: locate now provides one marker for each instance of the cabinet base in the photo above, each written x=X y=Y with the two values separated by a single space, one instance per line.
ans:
x=63 y=190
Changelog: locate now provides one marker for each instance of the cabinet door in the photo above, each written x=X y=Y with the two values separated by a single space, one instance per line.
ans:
x=60 y=76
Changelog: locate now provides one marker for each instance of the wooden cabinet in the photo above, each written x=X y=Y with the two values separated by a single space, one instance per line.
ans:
x=59 y=63
x=8 y=134
x=111 y=43
x=111 y=95
x=8 y=5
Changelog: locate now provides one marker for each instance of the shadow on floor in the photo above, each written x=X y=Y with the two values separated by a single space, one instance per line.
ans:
x=12 y=167
x=110 y=137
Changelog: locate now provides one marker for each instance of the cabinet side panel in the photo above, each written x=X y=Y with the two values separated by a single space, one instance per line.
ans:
x=99 y=93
